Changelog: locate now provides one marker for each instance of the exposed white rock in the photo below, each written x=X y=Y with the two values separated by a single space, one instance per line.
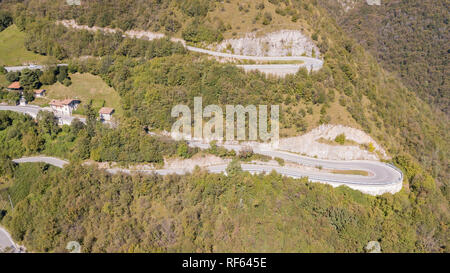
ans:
x=368 y=189
x=282 y=46
x=373 y=2
x=350 y=4
x=373 y=247
x=279 y=43
x=73 y=2
x=197 y=160
x=138 y=34
x=308 y=144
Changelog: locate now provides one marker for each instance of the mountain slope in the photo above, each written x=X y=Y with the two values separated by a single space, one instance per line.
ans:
x=409 y=38
x=352 y=88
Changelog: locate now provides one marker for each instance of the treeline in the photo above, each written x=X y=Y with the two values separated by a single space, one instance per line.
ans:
x=47 y=38
x=5 y=19
x=150 y=90
x=203 y=212
x=166 y=16
x=34 y=78
x=20 y=136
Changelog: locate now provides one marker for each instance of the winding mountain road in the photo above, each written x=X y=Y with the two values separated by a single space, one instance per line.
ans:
x=382 y=177
x=277 y=69
x=308 y=62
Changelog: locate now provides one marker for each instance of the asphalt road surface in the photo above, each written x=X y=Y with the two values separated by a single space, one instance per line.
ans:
x=277 y=69
x=33 y=110
x=6 y=240
x=46 y=159
x=308 y=62
x=380 y=174
x=22 y=67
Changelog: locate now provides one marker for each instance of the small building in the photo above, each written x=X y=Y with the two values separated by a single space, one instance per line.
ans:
x=15 y=86
x=39 y=93
x=64 y=107
x=106 y=113
x=23 y=101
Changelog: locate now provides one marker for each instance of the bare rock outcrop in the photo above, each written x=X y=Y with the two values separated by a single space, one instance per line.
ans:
x=309 y=145
x=279 y=43
x=350 y=4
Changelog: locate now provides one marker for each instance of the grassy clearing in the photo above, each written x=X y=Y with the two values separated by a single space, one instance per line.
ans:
x=85 y=87
x=337 y=113
x=3 y=81
x=13 y=51
x=352 y=172
x=242 y=19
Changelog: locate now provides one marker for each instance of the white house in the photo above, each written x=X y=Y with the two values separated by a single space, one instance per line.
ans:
x=106 y=113
x=64 y=107
x=39 y=93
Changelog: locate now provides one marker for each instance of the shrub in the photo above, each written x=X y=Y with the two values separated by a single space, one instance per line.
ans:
x=48 y=77
x=371 y=148
x=12 y=76
x=340 y=139
x=5 y=20
x=67 y=82
x=267 y=19
x=196 y=32
x=30 y=78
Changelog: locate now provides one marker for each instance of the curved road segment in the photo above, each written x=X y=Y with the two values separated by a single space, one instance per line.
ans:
x=382 y=178
x=277 y=69
x=308 y=62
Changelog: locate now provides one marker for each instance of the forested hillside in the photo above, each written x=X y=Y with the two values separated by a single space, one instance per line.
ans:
x=202 y=212
x=409 y=38
x=20 y=135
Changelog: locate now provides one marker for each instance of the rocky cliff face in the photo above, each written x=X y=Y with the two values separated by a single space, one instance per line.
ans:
x=280 y=43
x=309 y=144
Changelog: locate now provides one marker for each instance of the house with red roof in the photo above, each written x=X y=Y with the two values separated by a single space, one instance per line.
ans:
x=15 y=86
